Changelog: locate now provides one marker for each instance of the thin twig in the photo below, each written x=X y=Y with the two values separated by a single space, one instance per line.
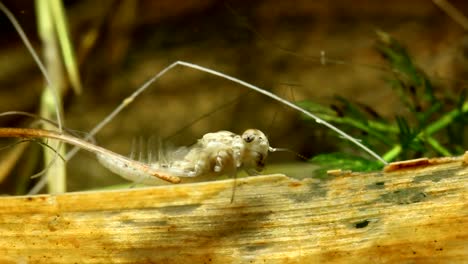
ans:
x=41 y=133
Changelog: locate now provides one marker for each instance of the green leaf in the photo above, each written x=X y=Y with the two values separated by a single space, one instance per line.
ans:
x=318 y=109
x=408 y=136
x=352 y=110
x=412 y=84
x=351 y=116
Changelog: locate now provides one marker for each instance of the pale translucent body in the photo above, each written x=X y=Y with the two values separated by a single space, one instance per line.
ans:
x=215 y=154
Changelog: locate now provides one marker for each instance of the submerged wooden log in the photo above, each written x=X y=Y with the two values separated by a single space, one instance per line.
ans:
x=404 y=214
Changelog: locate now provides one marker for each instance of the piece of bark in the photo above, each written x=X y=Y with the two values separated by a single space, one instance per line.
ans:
x=416 y=214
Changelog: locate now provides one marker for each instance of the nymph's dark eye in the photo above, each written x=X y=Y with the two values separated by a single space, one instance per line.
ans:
x=249 y=138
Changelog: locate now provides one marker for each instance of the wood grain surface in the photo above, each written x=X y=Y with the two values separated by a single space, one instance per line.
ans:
x=415 y=214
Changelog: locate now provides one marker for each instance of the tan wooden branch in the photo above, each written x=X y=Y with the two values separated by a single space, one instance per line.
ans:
x=405 y=215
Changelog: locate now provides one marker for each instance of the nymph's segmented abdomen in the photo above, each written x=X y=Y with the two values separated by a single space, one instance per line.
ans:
x=127 y=171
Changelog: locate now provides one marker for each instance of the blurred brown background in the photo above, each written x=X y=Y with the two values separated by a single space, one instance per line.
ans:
x=272 y=44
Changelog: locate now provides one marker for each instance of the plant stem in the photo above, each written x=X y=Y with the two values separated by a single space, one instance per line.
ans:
x=59 y=18
x=431 y=129
x=56 y=175
x=438 y=147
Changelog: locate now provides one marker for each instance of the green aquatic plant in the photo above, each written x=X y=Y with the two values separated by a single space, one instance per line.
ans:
x=434 y=126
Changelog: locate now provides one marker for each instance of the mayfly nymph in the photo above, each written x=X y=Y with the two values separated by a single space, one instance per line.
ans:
x=215 y=154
